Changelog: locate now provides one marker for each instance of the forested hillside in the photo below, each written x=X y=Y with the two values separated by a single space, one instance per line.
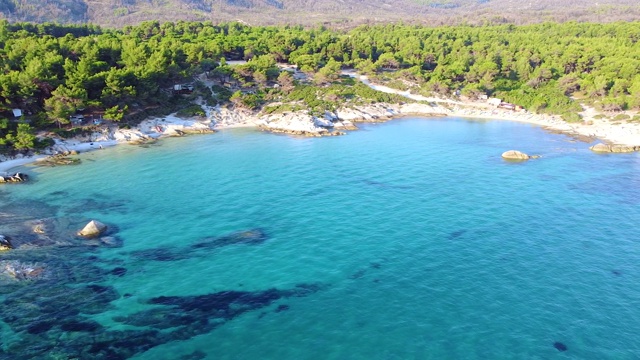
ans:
x=336 y=13
x=50 y=72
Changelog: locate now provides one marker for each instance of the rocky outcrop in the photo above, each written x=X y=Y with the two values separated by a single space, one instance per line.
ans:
x=224 y=117
x=305 y=124
x=60 y=159
x=188 y=131
x=93 y=229
x=515 y=155
x=423 y=109
x=15 y=178
x=604 y=148
x=131 y=136
x=367 y=113
x=299 y=123
x=5 y=243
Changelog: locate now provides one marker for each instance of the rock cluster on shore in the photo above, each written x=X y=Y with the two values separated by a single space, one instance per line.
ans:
x=615 y=148
x=304 y=123
x=15 y=178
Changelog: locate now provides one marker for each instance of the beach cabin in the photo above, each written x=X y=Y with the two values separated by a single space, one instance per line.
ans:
x=494 y=101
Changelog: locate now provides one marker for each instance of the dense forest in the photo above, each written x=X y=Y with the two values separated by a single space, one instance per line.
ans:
x=52 y=72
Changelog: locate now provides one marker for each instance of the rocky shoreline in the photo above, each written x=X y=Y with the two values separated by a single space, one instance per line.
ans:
x=303 y=123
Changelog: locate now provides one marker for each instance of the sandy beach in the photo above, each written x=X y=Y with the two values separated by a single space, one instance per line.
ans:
x=623 y=133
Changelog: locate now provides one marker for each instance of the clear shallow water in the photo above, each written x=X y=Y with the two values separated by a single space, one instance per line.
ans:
x=423 y=242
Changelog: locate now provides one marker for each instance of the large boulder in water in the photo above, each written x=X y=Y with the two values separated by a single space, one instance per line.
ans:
x=515 y=155
x=600 y=147
x=93 y=229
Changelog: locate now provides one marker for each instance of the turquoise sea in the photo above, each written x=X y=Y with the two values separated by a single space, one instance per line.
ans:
x=410 y=239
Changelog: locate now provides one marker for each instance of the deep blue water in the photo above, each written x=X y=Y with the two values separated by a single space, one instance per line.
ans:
x=417 y=240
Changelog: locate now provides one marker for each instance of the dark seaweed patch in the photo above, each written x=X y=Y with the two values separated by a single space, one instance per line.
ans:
x=456 y=234
x=383 y=185
x=39 y=327
x=203 y=246
x=248 y=237
x=76 y=326
x=560 y=346
x=282 y=308
x=58 y=193
x=206 y=311
x=104 y=205
x=220 y=301
x=98 y=289
x=119 y=271
x=160 y=254
x=358 y=274
x=196 y=355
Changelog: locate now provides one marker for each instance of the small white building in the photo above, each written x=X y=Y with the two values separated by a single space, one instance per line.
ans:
x=17 y=113
x=494 y=101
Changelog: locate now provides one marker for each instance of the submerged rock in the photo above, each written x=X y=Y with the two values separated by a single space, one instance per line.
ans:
x=560 y=346
x=21 y=271
x=515 y=155
x=93 y=229
x=15 y=178
x=5 y=243
x=60 y=159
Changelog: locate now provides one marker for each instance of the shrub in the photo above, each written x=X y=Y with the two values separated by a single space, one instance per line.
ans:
x=193 y=110
x=621 y=117
x=571 y=117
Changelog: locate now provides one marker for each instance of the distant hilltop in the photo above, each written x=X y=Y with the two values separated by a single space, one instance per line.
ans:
x=334 y=13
